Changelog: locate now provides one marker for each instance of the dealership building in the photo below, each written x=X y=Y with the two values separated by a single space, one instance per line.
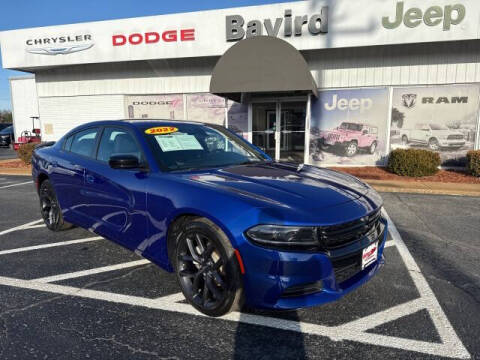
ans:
x=328 y=82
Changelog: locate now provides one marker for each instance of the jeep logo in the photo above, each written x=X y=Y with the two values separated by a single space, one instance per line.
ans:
x=433 y=16
x=353 y=104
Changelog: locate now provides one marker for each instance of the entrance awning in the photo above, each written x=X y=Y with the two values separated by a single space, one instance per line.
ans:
x=261 y=64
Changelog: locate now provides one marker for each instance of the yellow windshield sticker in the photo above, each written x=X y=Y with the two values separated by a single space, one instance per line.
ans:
x=161 y=130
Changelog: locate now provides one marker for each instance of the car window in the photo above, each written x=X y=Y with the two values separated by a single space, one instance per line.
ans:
x=83 y=142
x=7 y=130
x=68 y=143
x=117 y=141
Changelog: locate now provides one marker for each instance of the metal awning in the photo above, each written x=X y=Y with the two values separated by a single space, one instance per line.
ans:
x=261 y=64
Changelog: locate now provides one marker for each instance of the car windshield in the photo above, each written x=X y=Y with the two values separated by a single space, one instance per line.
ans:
x=438 y=127
x=7 y=130
x=351 y=126
x=192 y=147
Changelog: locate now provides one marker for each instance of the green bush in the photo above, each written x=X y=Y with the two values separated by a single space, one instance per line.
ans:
x=25 y=151
x=413 y=162
x=473 y=162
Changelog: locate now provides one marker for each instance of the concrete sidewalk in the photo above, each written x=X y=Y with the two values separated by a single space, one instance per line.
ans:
x=416 y=187
x=424 y=187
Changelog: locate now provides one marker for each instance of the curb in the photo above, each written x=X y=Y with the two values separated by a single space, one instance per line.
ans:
x=425 y=191
x=15 y=171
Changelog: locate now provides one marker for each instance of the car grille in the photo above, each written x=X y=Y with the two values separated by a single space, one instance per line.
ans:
x=455 y=137
x=333 y=137
x=333 y=237
x=347 y=267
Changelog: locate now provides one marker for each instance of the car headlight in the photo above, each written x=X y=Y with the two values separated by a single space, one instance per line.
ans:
x=283 y=236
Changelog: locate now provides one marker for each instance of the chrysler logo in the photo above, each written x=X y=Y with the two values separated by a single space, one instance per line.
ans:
x=59 y=45
x=59 y=50
x=409 y=100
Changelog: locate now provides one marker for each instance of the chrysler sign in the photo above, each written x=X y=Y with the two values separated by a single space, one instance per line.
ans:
x=55 y=45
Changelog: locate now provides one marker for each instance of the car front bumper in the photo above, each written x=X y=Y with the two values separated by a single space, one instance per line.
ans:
x=451 y=143
x=270 y=275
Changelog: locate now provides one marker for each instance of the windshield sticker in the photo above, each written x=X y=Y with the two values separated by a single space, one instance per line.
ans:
x=178 y=142
x=161 y=130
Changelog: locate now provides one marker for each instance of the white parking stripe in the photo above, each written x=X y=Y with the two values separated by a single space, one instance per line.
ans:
x=20 y=227
x=99 y=270
x=356 y=330
x=49 y=245
x=18 y=184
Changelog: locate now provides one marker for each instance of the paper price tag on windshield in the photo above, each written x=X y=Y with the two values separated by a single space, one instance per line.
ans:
x=178 y=142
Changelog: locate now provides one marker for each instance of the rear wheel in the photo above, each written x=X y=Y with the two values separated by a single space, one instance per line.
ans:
x=206 y=268
x=404 y=140
x=50 y=209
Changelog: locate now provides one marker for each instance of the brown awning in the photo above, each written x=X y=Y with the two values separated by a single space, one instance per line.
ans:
x=261 y=64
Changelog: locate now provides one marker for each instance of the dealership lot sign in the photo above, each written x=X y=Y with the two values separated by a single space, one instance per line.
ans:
x=307 y=25
x=433 y=16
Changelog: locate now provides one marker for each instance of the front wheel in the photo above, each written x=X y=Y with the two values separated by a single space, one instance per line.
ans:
x=50 y=209
x=433 y=144
x=351 y=149
x=207 y=270
x=373 y=147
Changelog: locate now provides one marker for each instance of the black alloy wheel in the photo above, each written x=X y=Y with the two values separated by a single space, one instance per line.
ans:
x=50 y=209
x=206 y=268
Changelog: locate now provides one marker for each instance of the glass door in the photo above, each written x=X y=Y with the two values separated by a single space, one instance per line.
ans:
x=278 y=128
x=292 y=131
x=264 y=127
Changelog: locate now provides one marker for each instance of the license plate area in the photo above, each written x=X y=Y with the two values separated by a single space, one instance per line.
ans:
x=369 y=254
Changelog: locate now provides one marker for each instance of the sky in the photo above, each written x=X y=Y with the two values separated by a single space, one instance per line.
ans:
x=18 y=14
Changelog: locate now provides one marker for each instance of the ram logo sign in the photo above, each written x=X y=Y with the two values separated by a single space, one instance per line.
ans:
x=409 y=100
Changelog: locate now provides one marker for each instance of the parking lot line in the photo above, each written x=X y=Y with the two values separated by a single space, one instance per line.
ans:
x=94 y=271
x=356 y=330
x=20 y=227
x=18 y=184
x=50 y=245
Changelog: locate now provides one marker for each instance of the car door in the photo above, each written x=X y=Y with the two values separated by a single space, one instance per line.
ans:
x=69 y=171
x=116 y=198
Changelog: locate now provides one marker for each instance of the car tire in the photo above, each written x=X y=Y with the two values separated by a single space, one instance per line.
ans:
x=206 y=268
x=404 y=140
x=351 y=149
x=372 y=147
x=433 y=144
x=50 y=209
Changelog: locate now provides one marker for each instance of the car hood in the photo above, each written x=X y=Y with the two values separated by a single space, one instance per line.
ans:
x=310 y=188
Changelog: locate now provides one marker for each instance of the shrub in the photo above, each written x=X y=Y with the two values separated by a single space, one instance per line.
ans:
x=25 y=152
x=473 y=162
x=413 y=162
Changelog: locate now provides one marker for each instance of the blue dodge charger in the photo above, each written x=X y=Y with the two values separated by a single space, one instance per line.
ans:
x=198 y=200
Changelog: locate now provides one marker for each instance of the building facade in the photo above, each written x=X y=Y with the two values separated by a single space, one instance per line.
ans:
x=386 y=74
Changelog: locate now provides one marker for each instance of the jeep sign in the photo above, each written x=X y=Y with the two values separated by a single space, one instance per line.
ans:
x=433 y=16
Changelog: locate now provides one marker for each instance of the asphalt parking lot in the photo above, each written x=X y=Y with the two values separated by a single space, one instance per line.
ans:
x=73 y=295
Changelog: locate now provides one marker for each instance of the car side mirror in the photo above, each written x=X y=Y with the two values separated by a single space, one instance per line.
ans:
x=124 y=162
x=365 y=132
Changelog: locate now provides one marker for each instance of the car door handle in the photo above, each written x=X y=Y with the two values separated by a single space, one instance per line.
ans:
x=90 y=179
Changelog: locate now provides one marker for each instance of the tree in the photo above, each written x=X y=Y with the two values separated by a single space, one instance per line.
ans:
x=398 y=117
x=5 y=116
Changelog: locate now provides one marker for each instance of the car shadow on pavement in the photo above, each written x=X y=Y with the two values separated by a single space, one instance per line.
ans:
x=258 y=342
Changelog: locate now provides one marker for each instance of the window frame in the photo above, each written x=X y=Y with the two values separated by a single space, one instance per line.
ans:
x=72 y=135
x=143 y=160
